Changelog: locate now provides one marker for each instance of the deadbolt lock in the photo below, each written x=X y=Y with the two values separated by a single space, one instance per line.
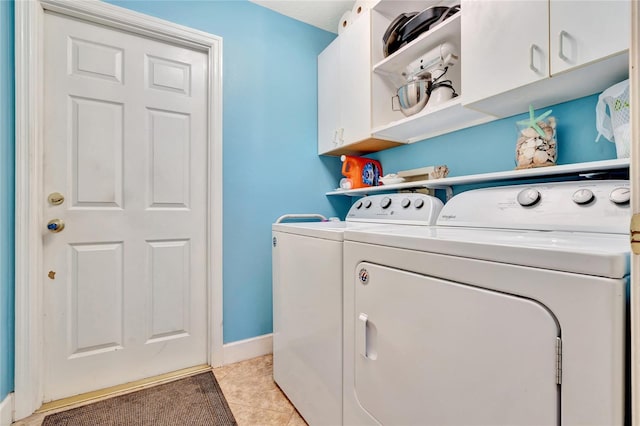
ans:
x=56 y=198
x=55 y=225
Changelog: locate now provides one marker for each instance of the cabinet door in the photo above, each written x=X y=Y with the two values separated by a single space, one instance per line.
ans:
x=329 y=97
x=585 y=31
x=504 y=46
x=355 y=80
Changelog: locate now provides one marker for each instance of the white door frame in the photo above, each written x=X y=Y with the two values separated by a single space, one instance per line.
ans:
x=29 y=19
x=634 y=175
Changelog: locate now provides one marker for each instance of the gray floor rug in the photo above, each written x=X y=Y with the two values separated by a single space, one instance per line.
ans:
x=195 y=400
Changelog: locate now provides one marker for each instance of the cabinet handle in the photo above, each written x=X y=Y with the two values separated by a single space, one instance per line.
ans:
x=561 y=54
x=532 y=50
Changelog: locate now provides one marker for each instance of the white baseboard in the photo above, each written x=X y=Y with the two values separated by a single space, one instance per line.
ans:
x=6 y=410
x=247 y=349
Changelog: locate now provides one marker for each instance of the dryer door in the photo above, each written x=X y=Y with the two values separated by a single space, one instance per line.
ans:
x=430 y=351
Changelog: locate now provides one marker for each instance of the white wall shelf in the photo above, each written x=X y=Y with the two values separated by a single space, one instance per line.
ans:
x=540 y=172
x=432 y=121
x=448 y=30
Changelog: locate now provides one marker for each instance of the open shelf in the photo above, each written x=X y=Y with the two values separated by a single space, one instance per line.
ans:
x=363 y=147
x=566 y=169
x=432 y=121
x=448 y=30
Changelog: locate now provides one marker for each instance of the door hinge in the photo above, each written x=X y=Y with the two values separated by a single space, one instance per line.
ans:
x=558 y=361
x=635 y=233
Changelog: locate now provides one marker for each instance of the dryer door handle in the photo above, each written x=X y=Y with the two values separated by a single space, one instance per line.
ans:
x=361 y=334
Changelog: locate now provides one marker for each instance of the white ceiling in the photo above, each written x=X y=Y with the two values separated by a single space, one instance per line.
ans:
x=323 y=14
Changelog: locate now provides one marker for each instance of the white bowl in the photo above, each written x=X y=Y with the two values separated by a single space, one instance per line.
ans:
x=391 y=179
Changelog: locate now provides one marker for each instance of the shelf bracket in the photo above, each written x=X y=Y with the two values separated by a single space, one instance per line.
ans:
x=448 y=192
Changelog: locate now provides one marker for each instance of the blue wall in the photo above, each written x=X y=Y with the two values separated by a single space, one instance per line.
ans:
x=6 y=198
x=271 y=165
x=491 y=147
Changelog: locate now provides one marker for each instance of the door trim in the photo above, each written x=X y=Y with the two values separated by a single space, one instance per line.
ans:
x=29 y=20
x=634 y=170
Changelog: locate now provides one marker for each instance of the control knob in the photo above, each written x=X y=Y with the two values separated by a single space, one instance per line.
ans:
x=528 y=197
x=385 y=202
x=367 y=204
x=419 y=203
x=582 y=196
x=620 y=195
x=405 y=203
x=358 y=204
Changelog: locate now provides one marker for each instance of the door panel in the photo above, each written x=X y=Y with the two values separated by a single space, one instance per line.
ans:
x=96 y=298
x=97 y=146
x=430 y=351
x=329 y=98
x=355 y=80
x=125 y=143
x=574 y=41
x=169 y=290
x=170 y=147
x=96 y=60
x=165 y=74
x=500 y=57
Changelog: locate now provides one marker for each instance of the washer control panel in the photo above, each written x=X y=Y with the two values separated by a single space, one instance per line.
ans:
x=589 y=206
x=402 y=208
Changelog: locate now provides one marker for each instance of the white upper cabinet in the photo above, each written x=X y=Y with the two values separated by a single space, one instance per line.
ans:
x=329 y=121
x=586 y=31
x=344 y=93
x=541 y=52
x=510 y=54
x=505 y=44
x=355 y=80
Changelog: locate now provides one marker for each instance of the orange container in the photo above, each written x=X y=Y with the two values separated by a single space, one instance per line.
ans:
x=362 y=172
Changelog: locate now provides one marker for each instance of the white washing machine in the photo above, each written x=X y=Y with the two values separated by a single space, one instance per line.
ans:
x=307 y=299
x=510 y=312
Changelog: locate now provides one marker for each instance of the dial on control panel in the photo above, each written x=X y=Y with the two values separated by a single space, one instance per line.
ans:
x=582 y=196
x=528 y=197
x=620 y=195
x=418 y=203
x=367 y=204
x=385 y=202
x=405 y=203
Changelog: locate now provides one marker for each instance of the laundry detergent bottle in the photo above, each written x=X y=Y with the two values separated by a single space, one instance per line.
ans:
x=361 y=172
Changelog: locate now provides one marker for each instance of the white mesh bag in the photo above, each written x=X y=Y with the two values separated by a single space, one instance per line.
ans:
x=615 y=125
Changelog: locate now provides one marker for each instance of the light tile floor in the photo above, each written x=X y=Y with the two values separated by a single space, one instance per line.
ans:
x=248 y=386
x=253 y=396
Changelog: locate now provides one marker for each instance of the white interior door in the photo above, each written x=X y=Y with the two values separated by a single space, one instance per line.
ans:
x=125 y=144
x=436 y=352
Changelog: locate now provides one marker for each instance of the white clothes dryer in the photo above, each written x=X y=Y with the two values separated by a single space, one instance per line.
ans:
x=510 y=312
x=307 y=299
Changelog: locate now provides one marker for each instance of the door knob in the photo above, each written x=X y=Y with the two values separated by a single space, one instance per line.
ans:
x=55 y=225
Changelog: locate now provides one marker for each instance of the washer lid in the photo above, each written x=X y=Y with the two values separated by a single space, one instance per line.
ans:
x=332 y=230
x=605 y=255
